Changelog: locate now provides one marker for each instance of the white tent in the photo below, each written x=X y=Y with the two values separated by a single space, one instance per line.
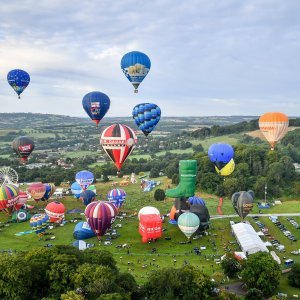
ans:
x=248 y=238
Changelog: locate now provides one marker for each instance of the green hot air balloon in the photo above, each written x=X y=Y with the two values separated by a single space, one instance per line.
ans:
x=188 y=223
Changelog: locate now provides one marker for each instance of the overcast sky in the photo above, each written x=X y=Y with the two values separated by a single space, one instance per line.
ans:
x=210 y=57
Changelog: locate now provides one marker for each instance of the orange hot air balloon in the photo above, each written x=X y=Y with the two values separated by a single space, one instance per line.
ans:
x=274 y=126
x=37 y=191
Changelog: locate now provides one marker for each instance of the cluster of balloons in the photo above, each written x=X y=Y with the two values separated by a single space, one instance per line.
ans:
x=221 y=155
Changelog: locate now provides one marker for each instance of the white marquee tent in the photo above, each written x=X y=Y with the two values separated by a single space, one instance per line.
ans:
x=248 y=238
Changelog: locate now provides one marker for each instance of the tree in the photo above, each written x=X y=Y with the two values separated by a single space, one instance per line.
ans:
x=231 y=185
x=260 y=271
x=113 y=296
x=175 y=179
x=94 y=280
x=154 y=173
x=159 y=195
x=71 y=295
x=223 y=295
x=198 y=148
x=294 y=276
x=254 y=294
x=230 y=265
x=15 y=278
x=183 y=283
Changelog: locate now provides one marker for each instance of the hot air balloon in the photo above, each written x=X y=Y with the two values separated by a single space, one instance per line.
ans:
x=148 y=210
x=96 y=105
x=150 y=227
x=243 y=202
x=220 y=154
x=227 y=169
x=36 y=190
x=146 y=116
x=118 y=141
x=9 y=195
x=274 y=126
x=116 y=197
x=21 y=215
x=55 y=211
x=22 y=200
x=50 y=189
x=92 y=188
x=188 y=223
x=18 y=80
x=23 y=146
x=87 y=197
x=196 y=200
x=39 y=223
x=84 y=179
x=76 y=189
x=135 y=66
x=83 y=231
x=202 y=213
x=100 y=215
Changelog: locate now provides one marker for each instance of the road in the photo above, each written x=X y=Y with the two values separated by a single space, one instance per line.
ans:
x=259 y=215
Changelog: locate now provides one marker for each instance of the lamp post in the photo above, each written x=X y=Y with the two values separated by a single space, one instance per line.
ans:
x=266 y=187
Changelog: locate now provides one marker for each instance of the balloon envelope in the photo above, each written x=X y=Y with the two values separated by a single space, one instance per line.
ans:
x=196 y=200
x=202 y=213
x=220 y=154
x=84 y=178
x=55 y=211
x=87 y=197
x=39 y=223
x=23 y=146
x=100 y=215
x=18 y=80
x=188 y=223
x=150 y=227
x=135 y=66
x=9 y=195
x=116 y=197
x=76 y=189
x=96 y=105
x=227 y=169
x=36 y=190
x=243 y=203
x=83 y=231
x=50 y=189
x=118 y=141
x=146 y=116
x=274 y=126
x=148 y=210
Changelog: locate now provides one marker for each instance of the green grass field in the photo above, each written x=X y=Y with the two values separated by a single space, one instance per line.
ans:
x=140 y=261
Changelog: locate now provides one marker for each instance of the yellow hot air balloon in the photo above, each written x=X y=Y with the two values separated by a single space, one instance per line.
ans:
x=274 y=126
x=227 y=169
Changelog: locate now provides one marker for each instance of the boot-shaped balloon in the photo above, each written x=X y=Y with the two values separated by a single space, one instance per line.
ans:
x=187 y=180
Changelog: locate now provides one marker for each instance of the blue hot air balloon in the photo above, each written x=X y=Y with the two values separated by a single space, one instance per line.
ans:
x=83 y=231
x=146 y=116
x=220 y=154
x=96 y=105
x=116 y=197
x=135 y=65
x=84 y=179
x=76 y=189
x=196 y=200
x=87 y=197
x=18 y=80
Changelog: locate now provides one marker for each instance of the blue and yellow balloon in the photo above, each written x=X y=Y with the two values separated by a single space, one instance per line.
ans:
x=146 y=116
x=18 y=80
x=135 y=66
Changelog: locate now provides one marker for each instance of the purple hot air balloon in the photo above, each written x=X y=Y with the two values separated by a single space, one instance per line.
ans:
x=100 y=215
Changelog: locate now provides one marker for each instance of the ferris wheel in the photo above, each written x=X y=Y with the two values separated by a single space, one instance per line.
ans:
x=8 y=176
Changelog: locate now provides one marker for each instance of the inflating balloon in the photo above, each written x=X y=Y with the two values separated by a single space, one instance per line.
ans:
x=87 y=197
x=146 y=116
x=50 y=189
x=150 y=227
x=83 y=231
x=55 y=211
x=274 y=126
x=196 y=200
x=76 y=189
x=23 y=146
x=118 y=141
x=135 y=66
x=188 y=223
x=220 y=154
x=227 y=169
x=9 y=195
x=202 y=213
x=36 y=190
x=116 y=197
x=100 y=215
x=96 y=105
x=39 y=223
x=148 y=210
x=18 y=80
x=84 y=179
